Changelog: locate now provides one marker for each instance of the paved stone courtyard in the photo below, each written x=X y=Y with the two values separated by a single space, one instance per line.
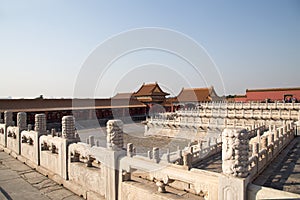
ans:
x=134 y=133
x=18 y=181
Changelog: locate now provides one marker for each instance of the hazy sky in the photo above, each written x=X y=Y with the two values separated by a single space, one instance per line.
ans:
x=44 y=45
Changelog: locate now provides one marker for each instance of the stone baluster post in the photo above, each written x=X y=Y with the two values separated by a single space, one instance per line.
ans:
x=22 y=121
x=258 y=136
x=271 y=138
x=187 y=159
x=179 y=152
x=69 y=136
x=255 y=148
x=274 y=127
x=168 y=155
x=29 y=127
x=40 y=124
x=68 y=127
x=235 y=148
x=53 y=132
x=208 y=142
x=200 y=145
x=92 y=140
x=276 y=135
x=280 y=132
x=129 y=149
x=8 y=118
x=155 y=154
x=161 y=186
x=114 y=137
x=40 y=129
x=270 y=127
x=279 y=113
x=264 y=143
x=149 y=154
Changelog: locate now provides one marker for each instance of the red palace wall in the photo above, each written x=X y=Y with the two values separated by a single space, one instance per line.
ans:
x=272 y=95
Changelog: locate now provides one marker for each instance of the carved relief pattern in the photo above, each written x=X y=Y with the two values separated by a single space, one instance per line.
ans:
x=40 y=123
x=114 y=137
x=27 y=140
x=68 y=127
x=235 y=150
x=8 y=118
x=22 y=120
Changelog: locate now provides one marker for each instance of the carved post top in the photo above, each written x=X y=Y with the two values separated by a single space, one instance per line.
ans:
x=235 y=152
x=264 y=142
x=22 y=120
x=271 y=138
x=40 y=123
x=116 y=123
x=22 y=114
x=255 y=148
x=155 y=154
x=130 y=149
x=68 y=118
x=235 y=133
x=8 y=118
x=114 y=136
x=91 y=140
x=68 y=127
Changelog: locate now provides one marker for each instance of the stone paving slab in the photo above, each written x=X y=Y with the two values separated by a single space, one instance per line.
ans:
x=7 y=174
x=213 y=163
x=15 y=165
x=18 y=188
x=18 y=181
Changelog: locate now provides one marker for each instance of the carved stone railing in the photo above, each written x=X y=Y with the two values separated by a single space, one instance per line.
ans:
x=265 y=145
x=274 y=114
x=54 y=149
x=201 y=151
x=30 y=140
x=268 y=146
x=207 y=123
x=86 y=169
x=218 y=116
x=239 y=167
x=250 y=105
x=194 y=181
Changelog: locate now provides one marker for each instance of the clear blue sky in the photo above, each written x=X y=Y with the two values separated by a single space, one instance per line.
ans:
x=43 y=44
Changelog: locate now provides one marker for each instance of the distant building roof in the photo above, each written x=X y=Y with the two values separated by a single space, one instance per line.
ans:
x=151 y=89
x=197 y=95
x=123 y=96
x=17 y=105
x=169 y=101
